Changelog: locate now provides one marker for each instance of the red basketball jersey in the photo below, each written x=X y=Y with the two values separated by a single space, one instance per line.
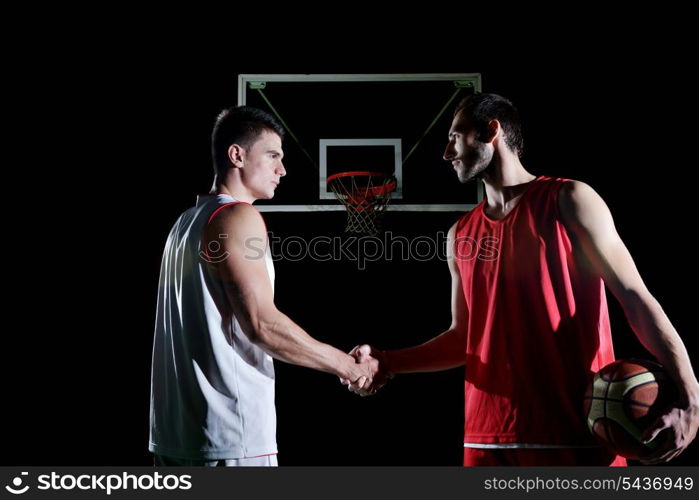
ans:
x=538 y=326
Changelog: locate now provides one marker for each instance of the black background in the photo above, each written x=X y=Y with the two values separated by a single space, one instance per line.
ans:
x=126 y=150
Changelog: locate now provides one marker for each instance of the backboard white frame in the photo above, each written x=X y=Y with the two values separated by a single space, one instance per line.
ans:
x=244 y=81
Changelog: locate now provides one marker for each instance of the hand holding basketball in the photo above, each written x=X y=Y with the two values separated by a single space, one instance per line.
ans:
x=679 y=426
x=623 y=400
x=632 y=407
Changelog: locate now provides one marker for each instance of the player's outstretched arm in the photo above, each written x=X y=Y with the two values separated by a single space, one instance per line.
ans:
x=589 y=221
x=446 y=350
x=239 y=235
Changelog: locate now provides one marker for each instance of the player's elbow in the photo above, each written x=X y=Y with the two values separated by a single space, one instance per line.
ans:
x=263 y=326
x=457 y=331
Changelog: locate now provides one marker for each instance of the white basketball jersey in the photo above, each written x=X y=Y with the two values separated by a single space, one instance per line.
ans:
x=212 y=390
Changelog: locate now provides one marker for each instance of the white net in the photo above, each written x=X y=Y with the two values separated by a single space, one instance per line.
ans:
x=365 y=195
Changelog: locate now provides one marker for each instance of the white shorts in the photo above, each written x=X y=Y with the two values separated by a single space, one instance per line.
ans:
x=261 y=461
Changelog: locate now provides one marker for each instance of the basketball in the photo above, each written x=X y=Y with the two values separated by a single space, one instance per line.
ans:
x=623 y=399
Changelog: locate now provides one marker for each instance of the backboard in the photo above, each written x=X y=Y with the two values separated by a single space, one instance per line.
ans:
x=395 y=123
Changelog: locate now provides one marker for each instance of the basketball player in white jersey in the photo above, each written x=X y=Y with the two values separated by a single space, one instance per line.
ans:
x=217 y=327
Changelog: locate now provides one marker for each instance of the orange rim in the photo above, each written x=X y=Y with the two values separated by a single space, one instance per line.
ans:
x=360 y=195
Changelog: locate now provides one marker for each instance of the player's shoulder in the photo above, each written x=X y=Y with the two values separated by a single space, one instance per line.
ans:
x=451 y=234
x=573 y=192
x=580 y=205
x=237 y=216
x=235 y=211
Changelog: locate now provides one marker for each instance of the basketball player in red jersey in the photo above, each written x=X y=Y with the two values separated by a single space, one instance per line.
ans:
x=529 y=314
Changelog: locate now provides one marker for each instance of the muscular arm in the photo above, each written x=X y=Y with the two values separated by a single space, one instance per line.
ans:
x=448 y=349
x=587 y=217
x=239 y=232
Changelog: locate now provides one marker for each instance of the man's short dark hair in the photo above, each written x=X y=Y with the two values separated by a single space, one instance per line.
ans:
x=481 y=108
x=240 y=125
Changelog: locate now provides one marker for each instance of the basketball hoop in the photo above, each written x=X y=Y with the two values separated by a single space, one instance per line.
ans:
x=365 y=195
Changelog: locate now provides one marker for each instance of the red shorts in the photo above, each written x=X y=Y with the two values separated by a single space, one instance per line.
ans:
x=538 y=456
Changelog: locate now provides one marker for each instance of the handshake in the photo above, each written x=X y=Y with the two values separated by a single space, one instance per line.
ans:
x=371 y=370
